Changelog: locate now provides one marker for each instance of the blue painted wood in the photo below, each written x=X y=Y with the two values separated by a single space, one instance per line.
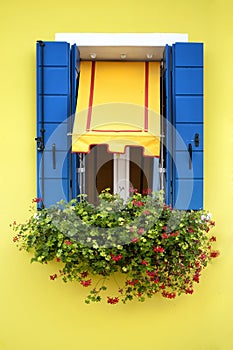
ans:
x=183 y=170
x=56 y=79
x=56 y=189
x=55 y=108
x=188 y=54
x=75 y=63
x=56 y=133
x=187 y=116
x=55 y=54
x=53 y=112
x=189 y=194
x=188 y=81
x=186 y=134
x=58 y=167
x=168 y=122
x=189 y=109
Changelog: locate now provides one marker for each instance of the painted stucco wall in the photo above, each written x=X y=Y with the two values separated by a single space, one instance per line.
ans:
x=36 y=313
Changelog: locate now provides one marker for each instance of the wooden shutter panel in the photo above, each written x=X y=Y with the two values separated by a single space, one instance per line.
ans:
x=187 y=119
x=53 y=111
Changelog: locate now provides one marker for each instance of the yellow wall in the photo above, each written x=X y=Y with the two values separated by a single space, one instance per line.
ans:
x=36 y=313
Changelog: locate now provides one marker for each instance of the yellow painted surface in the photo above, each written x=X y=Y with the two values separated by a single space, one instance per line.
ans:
x=36 y=313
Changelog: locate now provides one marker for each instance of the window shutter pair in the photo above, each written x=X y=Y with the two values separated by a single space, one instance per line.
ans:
x=57 y=77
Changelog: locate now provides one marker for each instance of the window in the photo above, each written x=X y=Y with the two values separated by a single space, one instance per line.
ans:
x=60 y=174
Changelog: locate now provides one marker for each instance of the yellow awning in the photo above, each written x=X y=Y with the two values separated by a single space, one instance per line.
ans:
x=118 y=104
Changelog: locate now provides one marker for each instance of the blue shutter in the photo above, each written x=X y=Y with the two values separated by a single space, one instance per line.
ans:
x=187 y=119
x=167 y=102
x=75 y=65
x=53 y=111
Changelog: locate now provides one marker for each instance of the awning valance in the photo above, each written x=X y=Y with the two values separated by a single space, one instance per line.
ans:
x=118 y=105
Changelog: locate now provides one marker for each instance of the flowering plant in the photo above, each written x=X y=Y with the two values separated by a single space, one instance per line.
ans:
x=155 y=248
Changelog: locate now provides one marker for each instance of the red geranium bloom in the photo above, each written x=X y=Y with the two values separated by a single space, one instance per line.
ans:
x=116 y=257
x=68 y=242
x=137 y=203
x=141 y=231
x=158 y=249
x=214 y=254
x=213 y=239
x=53 y=277
x=132 y=283
x=134 y=240
x=36 y=200
x=84 y=274
x=147 y=191
x=165 y=235
x=113 y=300
x=85 y=283
x=144 y=262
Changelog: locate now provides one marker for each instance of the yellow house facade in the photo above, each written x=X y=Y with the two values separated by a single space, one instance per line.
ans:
x=36 y=313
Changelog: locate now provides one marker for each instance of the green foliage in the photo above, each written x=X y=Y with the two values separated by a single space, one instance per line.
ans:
x=157 y=249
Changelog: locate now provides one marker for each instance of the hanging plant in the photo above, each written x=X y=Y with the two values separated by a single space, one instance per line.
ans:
x=155 y=248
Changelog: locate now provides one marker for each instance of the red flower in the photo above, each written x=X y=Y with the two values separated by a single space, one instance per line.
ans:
x=113 y=300
x=134 y=240
x=137 y=203
x=58 y=259
x=213 y=239
x=196 y=278
x=190 y=230
x=156 y=280
x=165 y=235
x=133 y=190
x=53 y=277
x=151 y=273
x=141 y=231
x=162 y=286
x=168 y=295
x=68 y=242
x=36 y=200
x=15 y=239
x=165 y=207
x=214 y=254
x=86 y=283
x=174 y=234
x=158 y=249
x=147 y=191
x=132 y=283
x=116 y=257
x=144 y=262
x=212 y=223
x=146 y=212
x=203 y=256
x=84 y=274
x=189 y=291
